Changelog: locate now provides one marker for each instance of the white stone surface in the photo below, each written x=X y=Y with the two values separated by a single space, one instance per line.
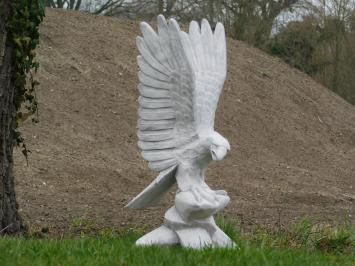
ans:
x=160 y=236
x=181 y=77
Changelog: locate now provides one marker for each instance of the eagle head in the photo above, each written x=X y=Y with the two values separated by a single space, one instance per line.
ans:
x=219 y=146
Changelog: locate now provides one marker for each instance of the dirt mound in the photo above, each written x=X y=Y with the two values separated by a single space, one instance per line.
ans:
x=293 y=141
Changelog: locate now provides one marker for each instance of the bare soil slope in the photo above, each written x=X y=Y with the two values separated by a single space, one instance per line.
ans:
x=293 y=141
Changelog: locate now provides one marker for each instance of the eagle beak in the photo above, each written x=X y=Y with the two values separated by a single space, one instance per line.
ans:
x=218 y=153
x=214 y=155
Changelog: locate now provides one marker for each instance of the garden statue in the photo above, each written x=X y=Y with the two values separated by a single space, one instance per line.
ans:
x=181 y=77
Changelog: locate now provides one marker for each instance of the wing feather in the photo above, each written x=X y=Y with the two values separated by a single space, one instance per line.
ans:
x=150 y=71
x=156 y=114
x=152 y=82
x=152 y=145
x=155 y=155
x=146 y=54
x=220 y=47
x=185 y=39
x=155 y=125
x=151 y=92
x=164 y=41
x=207 y=47
x=155 y=135
x=162 y=165
x=195 y=40
x=154 y=103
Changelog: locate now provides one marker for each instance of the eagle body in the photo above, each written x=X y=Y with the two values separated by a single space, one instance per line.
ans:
x=181 y=77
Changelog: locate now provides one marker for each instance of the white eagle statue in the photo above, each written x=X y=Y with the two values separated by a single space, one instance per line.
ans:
x=181 y=78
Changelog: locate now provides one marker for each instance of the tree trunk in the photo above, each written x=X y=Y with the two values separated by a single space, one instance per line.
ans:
x=10 y=220
x=78 y=4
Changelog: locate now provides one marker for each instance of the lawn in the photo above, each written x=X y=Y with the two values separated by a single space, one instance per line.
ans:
x=304 y=244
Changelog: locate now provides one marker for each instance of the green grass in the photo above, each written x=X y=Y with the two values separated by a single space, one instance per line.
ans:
x=303 y=244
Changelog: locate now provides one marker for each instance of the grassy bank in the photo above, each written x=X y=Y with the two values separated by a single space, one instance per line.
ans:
x=304 y=244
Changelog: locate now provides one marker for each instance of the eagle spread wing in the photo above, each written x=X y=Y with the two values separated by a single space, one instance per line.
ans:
x=181 y=77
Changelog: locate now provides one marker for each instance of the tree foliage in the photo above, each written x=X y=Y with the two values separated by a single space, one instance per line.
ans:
x=322 y=44
x=248 y=20
x=297 y=43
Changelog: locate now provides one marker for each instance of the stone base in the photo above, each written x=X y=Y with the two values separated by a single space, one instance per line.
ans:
x=195 y=234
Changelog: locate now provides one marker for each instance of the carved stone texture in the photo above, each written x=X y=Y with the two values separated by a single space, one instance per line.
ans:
x=181 y=77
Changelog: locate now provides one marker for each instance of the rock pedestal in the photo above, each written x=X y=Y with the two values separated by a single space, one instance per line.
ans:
x=190 y=222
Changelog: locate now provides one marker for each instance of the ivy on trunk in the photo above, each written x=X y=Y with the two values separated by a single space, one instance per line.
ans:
x=19 y=21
